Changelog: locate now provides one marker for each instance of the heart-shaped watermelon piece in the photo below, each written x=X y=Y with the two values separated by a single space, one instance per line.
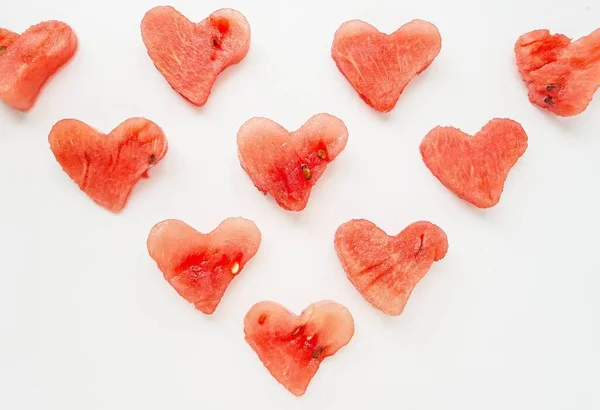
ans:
x=562 y=76
x=200 y=266
x=379 y=66
x=106 y=167
x=288 y=164
x=475 y=167
x=191 y=55
x=292 y=347
x=383 y=268
x=28 y=60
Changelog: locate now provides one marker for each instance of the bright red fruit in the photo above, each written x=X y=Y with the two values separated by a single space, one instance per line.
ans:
x=191 y=55
x=28 y=60
x=384 y=268
x=201 y=266
x=288 y=164
x=562 y=76
x=379 y=66
x=475 y=167
x=292 y=347
x=106 y=167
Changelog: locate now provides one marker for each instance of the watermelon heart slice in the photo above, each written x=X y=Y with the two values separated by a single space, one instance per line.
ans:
x=475 y=168
x=106 y=167
x=292 y=347
x=288 y=164
x=562 y=76
x=201 y=266
x=384 y=268
x=379 y=65
x=190 y=56
x=7 y=37
x=28 y=60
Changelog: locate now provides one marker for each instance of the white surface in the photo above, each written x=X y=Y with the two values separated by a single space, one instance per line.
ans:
x=509 y=320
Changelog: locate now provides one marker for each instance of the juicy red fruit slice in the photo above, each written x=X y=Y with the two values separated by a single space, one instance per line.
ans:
x=562 y=76
x=201 y=266
x=190 y=56
x=475 y=168
x=379 y=66
x=292 y=347
x=28 y=60
x=288 y=164
x=385 y=269
x=106 y=167
x=7 y=37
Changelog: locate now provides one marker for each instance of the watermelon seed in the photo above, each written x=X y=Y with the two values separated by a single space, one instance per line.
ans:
x=306 y=172
x=152 y=159
x=216 y=42
x=548 y=100
x=261 y=319
x=551 y=87
x=235 y=268
x=309 y=337
x=321 y=153
x=317 y=353
x=2 y=49
x=298 y=329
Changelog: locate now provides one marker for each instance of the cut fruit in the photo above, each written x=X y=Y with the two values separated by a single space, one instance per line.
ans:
x=384 y=268
x=7 y=38
x=562 y=76
x=379 y=66
x=106 y=167
x=475 y=168
x=201 y=266
x=191 y=55
x=288 y=164
x=28 y=60
x=292 y=347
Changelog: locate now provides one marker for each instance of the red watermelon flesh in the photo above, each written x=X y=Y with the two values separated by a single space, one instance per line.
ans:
x=562 y=76
x=6 y=39
x=106 y=167
x=379 y=66
x=191 y=55
x=292 y=347
x=475 y=167
x=288 y=164
x=29 y=60
x=384 y=268
x=201 y=266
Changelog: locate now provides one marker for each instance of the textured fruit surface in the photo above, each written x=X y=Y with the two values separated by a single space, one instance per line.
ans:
x=29 y=59
x=7 y=37
x=106 y=167
x=288 y=164
x=475 y=168
x=384 y=268
x=201 y=266
x=378 y=65
x=562 y=76
x=191 y=55
x=292 y=347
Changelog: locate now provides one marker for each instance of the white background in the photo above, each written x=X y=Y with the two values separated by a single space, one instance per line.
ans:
x=508 y=320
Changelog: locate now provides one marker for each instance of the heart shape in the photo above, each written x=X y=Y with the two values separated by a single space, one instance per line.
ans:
x=292 y=347
x=288 y=164
x=379 y=66
x=475 y=168
x=385 y=269
x=28 y=60
x=106 y=167
x=562 y=76
x=200 y=266
x=191 y=55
